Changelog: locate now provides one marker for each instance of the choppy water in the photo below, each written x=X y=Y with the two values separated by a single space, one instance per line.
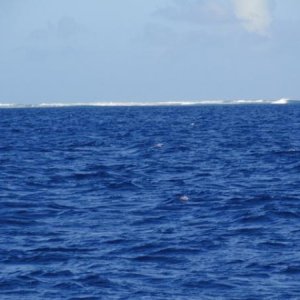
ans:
x=150 y=202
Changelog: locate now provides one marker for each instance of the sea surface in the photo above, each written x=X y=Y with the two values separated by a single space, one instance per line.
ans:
x=179 y=202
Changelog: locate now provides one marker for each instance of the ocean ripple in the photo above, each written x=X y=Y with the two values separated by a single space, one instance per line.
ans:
x=166 y=202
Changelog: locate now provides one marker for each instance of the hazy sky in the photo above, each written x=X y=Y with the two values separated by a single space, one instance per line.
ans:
x=142 y=50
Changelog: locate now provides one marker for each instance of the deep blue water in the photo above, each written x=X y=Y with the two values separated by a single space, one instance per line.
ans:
x=150 y=203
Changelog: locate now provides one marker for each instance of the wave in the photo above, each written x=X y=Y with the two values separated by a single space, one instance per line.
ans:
x=150 y=103
x=8 y=105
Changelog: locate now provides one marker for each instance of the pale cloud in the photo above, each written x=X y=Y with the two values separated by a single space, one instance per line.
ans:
x=65 y=29
x=195 y=11
x=255 y=15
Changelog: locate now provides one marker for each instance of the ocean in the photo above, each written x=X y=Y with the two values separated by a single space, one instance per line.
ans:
x=150 y=202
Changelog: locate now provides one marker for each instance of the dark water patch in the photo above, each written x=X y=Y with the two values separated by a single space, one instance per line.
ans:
x=159 y=259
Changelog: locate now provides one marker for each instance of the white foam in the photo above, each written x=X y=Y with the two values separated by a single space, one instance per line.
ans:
x=153 y=103
x=158 y=145
x=184 y=198
x=7 y=105
x=281 y=101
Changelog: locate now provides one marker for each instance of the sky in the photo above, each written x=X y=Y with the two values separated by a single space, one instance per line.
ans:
x=142 y=50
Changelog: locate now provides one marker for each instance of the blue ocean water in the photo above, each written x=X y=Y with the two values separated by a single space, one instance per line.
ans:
x=197 y=202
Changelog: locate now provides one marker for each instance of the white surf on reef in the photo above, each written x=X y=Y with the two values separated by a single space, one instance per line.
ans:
x=281 y=101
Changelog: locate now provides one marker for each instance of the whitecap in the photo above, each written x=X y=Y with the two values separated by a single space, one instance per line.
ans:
x=150 y=103
x=281 y=101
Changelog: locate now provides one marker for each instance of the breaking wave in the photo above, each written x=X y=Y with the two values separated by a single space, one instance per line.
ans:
x=151 y=103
